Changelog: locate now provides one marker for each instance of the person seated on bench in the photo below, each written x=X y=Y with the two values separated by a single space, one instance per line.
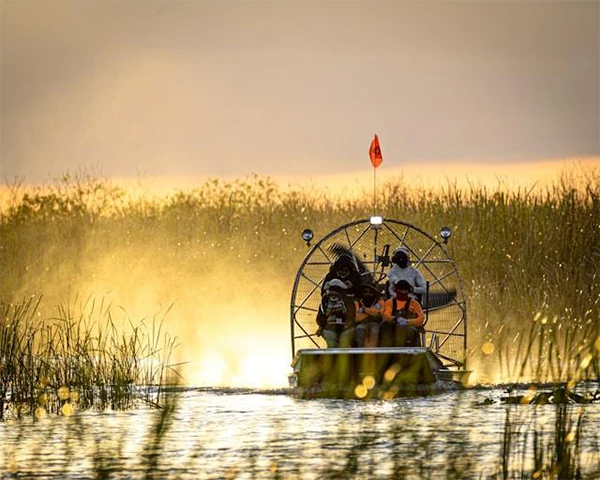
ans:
x=345 y=270
x=402 y=319
x=401 y=270
x=336 y=315
x=369 y=306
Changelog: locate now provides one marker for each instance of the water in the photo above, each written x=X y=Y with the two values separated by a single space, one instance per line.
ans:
x=228 y=433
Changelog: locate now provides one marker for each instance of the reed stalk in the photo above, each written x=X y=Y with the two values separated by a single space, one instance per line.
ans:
x=78 y=359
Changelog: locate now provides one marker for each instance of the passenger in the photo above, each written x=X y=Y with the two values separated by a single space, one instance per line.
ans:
x=369 y=306
x=336 y=315
x=403 y=319
x=345 y=270
x=400 y=270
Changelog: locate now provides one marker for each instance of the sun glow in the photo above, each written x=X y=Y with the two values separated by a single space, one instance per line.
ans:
x=250 y=353
x=212 y=369
x=263 y=369
x=256 y=366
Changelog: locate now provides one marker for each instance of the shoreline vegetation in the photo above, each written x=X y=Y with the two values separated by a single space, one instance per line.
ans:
x=529 y=258
x=529 y=261
x=79 y=359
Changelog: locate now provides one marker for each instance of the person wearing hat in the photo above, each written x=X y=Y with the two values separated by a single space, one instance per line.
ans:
x=401 y=270
x=336 y=315
x=402 y=318
x=345 y=269
x=369 y=306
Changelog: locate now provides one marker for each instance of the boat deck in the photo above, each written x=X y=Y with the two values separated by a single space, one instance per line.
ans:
x=361 y=372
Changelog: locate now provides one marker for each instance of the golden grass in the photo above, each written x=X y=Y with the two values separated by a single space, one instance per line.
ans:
x=524 y=253
x=81 y=358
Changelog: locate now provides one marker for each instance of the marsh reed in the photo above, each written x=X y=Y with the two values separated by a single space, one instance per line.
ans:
x=529 y=258
x=81 y=358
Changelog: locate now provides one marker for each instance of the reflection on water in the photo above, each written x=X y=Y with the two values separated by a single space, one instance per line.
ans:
x=245 y=434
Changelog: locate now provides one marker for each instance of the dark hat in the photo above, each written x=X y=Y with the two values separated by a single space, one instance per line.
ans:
x=402 y=285
x=369 y=286
x=344 y=260
x=401 y=251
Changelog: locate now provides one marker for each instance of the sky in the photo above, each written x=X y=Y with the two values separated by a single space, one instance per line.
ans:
x=199 y=88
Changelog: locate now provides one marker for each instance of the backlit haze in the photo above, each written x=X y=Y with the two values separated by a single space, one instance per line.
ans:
x=168 y=94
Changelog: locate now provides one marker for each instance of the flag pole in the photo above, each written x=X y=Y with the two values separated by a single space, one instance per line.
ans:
x=376 y=160
x=374 y=191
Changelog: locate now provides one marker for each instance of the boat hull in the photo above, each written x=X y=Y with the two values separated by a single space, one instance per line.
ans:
x=371 y=373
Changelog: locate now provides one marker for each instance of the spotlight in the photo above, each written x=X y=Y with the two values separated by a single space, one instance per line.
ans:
x=445 y=233
x=307 y=236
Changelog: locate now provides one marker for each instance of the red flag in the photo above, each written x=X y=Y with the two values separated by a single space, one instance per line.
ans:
x=375 y=152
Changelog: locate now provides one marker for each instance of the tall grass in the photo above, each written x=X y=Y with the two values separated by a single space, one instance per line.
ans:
x=549 y=351
x=531 y=449
x=523 y=254
x=82 y=358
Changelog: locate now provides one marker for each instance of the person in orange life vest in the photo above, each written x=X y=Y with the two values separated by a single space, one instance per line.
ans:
x=336 y=315
x=402 y=318
x=369 y=307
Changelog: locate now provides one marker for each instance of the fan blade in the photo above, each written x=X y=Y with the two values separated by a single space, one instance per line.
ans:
x=439 y=299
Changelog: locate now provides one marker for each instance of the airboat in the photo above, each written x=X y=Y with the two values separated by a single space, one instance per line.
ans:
x=440 y=363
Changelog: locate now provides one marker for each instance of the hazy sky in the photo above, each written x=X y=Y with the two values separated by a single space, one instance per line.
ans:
x=230 y=88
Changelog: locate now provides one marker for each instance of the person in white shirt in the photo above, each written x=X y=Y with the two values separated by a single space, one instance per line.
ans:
x=401 y=270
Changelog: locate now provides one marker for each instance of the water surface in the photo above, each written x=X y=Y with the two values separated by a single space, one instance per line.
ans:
x=232 y=433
